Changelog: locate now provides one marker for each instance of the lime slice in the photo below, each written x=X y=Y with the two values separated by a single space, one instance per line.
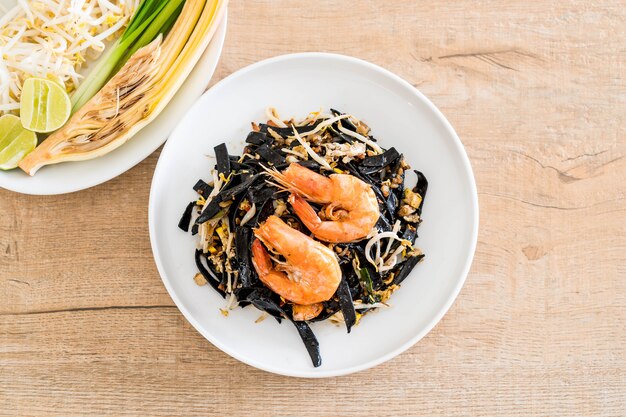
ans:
x=15 y=141
x=44 y=105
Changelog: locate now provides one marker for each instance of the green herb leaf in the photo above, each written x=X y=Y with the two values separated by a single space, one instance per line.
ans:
x=366 y=280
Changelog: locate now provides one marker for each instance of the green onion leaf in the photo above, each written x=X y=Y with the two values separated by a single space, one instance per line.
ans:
x=366 y=280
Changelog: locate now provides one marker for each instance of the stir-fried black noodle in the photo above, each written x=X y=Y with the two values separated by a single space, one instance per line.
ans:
x=242 y=192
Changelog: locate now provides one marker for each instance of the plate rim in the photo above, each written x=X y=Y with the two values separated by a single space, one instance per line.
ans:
x=149 y=150
x=467 y=168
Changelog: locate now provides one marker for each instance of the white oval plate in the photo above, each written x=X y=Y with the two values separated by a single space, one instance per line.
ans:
x=74 y=176
x=399 y=116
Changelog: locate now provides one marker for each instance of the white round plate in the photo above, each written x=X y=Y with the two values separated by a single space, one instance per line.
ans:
x=399 y=116
x=74 y=176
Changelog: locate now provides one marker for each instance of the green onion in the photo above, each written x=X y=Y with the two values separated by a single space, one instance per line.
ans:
x=366 y=280
x=368 y=285
x=152 y=18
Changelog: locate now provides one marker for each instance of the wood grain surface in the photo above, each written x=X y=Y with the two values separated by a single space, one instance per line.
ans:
x=536 y=91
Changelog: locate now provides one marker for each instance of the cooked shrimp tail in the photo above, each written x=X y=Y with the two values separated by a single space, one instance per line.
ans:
x=305 y=212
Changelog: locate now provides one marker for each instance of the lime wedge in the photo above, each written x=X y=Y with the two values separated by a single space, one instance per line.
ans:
x=44 y=105
x=15 y=141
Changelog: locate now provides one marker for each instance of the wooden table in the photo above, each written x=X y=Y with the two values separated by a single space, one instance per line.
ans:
x=536 y=91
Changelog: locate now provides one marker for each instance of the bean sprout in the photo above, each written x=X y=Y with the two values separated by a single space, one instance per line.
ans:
x=53 y=39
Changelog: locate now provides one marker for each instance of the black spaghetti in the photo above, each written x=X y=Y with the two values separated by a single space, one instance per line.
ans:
x=312 y=222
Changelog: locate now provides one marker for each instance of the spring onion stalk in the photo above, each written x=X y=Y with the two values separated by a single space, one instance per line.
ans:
x=138 y=92
x=153 y=17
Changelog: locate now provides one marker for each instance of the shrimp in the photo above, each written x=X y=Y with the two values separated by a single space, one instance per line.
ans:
x=308 y=312
x=310 y=273
x=351 y=206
